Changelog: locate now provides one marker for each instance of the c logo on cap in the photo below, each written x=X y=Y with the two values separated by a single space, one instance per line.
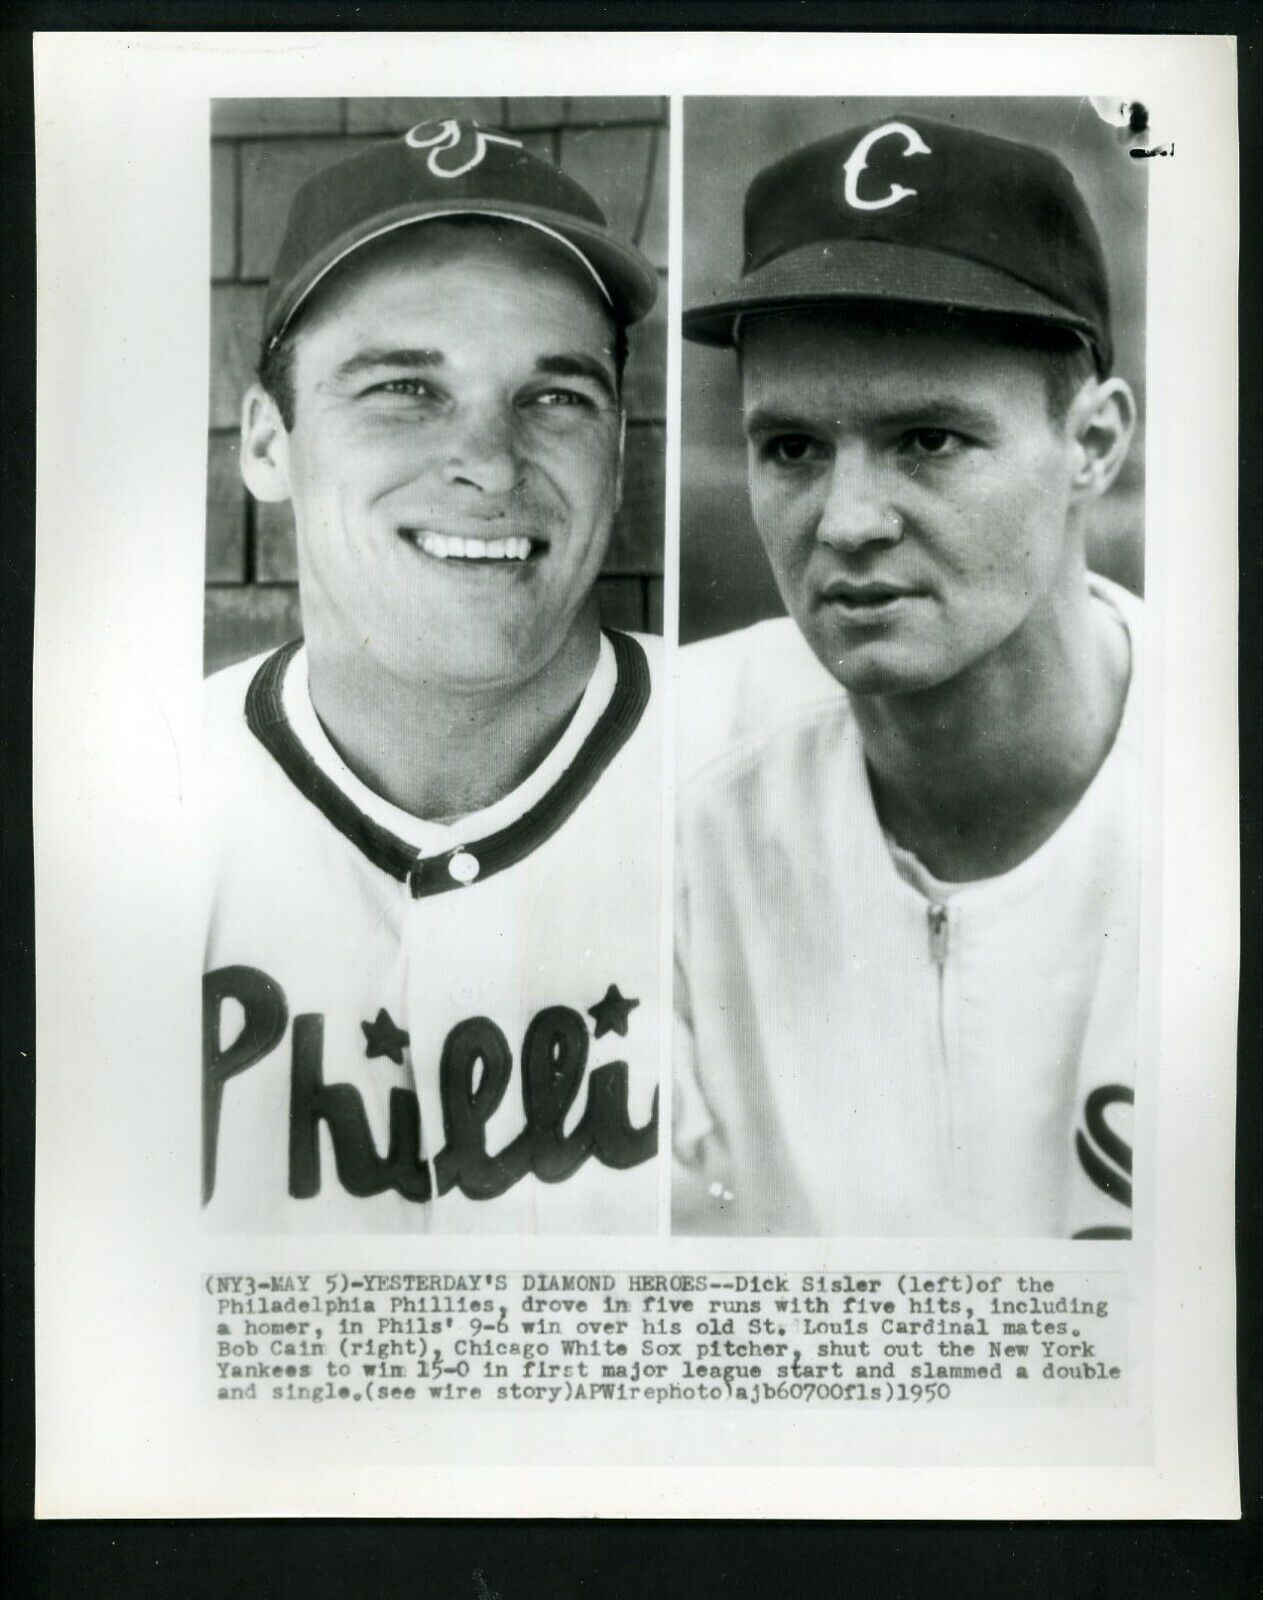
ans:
x=857 y=161
x=449 y=137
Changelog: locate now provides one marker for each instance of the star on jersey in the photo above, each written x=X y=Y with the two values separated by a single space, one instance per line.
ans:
x=611 y=1012
x=383 y=1038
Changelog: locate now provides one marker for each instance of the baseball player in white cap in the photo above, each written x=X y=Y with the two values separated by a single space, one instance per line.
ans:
x=908 y=863
x=431 y=961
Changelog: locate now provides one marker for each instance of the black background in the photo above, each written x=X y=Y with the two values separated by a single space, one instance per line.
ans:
x=608 y=1561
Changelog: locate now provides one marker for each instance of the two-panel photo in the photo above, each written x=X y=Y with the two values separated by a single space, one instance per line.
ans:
x=556 y=865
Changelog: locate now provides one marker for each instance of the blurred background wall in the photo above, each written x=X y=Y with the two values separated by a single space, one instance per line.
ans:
x=262 y=150
x=725 y=581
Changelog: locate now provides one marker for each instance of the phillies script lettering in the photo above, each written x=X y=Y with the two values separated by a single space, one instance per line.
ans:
x=475 y=1069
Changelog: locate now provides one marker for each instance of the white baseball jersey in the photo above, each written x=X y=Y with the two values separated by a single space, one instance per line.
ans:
x=865 y=1051
x=431 y=1027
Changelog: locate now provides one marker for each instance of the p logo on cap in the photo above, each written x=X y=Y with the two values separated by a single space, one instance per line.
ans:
x=446 y=167
x=450 y=136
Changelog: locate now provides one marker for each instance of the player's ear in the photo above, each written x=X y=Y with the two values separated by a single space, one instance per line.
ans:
x=264 y=446
x=1101 y=423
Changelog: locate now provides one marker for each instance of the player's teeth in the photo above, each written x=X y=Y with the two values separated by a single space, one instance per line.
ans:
x=448 y=545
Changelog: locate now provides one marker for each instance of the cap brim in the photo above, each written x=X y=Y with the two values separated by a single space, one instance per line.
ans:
x=628 y=278
x=838 y=270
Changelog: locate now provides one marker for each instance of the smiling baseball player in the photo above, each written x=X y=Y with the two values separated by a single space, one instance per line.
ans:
x=909 y=851
x=431 y=963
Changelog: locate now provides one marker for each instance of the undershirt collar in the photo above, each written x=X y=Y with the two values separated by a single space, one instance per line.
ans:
x=437 y=838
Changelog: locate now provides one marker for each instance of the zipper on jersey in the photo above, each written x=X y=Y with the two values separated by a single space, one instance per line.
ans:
x=940 y=946
x=938 y=938
x=940 y=941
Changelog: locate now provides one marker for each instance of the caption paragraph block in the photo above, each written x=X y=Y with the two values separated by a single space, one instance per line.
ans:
x=497 y=1339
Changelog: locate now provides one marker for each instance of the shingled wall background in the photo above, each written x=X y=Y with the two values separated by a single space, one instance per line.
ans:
x=262 y=150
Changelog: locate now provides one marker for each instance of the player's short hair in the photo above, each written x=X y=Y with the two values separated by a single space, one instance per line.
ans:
x=275 y=373
x=1066 y=361
x=1068 y=364
x=275 y=370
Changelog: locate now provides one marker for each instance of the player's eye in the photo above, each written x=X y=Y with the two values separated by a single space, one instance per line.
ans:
x=790 y=449
x=407 y=388
x=568 y=401
x=561 y=398
x=930 y=442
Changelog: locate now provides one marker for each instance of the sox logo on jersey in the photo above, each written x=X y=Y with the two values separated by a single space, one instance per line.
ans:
x=1105 y=1157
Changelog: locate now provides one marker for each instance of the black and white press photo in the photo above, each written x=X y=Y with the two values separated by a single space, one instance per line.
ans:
x=432 y=747
x=636 y=775
x=912 y=552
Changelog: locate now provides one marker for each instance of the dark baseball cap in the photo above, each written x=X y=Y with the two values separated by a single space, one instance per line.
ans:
x=449 y=167
x=921 y=213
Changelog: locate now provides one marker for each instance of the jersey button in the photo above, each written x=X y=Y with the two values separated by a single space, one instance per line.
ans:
x=464 y=867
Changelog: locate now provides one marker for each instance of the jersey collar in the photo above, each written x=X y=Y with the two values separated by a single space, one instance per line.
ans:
x=436 y=874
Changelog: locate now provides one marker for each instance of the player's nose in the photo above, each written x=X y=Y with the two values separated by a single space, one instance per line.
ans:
x=857 y=508
x=483 y=450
